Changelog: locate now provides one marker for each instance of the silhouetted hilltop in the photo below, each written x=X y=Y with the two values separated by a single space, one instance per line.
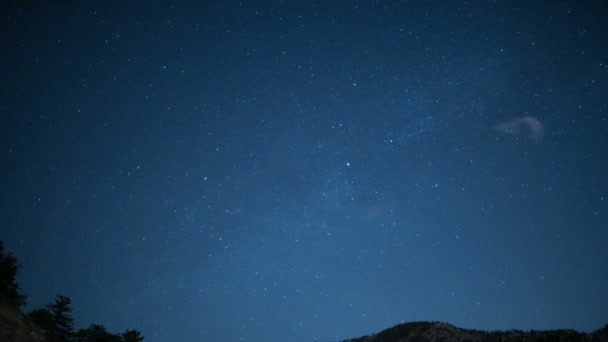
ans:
x=438 y=331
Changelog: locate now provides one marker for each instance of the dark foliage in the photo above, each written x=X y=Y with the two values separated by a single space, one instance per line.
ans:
x=42 y=318
x=9 y=289
x=55 y=319
x=63 y=323
x=132 y=336
x=96 y=333
x=53 y=323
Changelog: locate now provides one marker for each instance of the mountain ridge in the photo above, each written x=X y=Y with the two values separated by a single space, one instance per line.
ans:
x=425 y=331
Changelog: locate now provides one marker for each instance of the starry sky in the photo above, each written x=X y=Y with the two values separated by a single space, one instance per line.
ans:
x=307 y=170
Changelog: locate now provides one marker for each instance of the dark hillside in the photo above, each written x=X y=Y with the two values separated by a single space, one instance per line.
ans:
x=438 y=331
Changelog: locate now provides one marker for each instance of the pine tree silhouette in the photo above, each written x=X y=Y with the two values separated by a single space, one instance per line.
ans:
x=54 y=321
x=63 y=323
x=9 y=289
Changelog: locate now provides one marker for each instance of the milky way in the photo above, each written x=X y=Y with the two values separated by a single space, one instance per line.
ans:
x=307 y=171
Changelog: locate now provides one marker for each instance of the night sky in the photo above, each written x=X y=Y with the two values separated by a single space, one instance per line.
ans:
x=311 y=170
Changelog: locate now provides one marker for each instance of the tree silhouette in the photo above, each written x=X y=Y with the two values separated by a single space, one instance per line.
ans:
x=54 y=319
x=132 y=336
x=42 y=318
x=63 y=323
x=9 y=289
x=96 y=333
